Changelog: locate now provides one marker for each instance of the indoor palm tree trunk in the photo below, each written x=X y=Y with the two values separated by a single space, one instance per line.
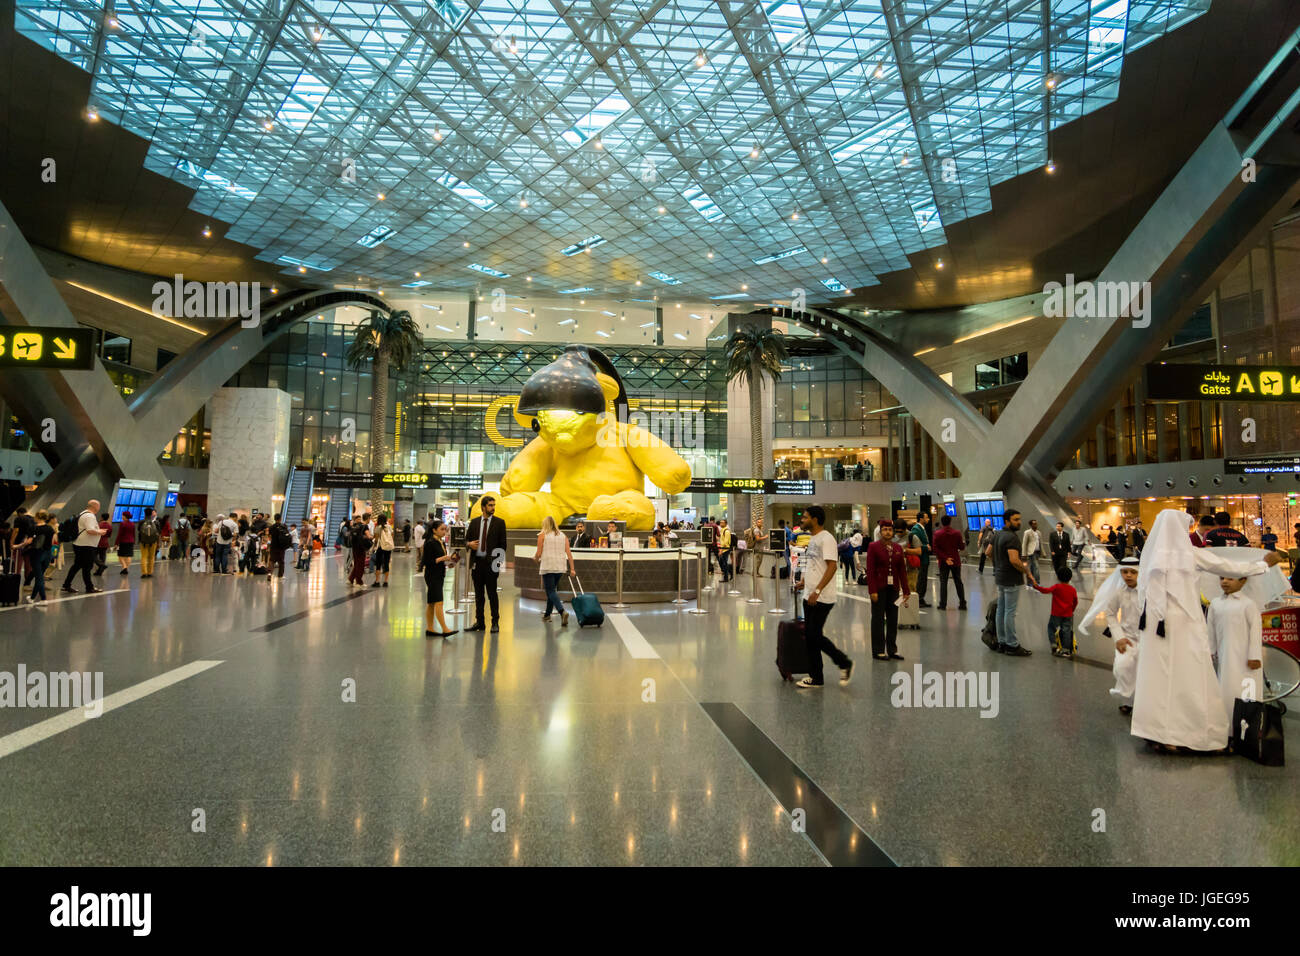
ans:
x=758 y=502
x=378 y=421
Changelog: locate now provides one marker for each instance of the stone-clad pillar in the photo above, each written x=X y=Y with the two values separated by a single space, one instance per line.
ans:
x=250 y=448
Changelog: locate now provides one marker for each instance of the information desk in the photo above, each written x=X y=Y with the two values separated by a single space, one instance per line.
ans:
x=648 y=576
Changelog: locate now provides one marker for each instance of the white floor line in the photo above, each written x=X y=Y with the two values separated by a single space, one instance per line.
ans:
x=859 y=597
x=68 y=719
x=23 y=605
x=632 y=637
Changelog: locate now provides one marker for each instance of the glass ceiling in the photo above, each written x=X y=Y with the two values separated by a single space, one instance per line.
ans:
x=719 y=144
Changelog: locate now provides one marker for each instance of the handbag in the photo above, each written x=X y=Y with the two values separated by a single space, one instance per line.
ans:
x=1257 y=731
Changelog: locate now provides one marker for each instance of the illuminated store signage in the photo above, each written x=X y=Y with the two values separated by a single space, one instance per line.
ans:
x=1263 y=465
x=1253 y=383
x=766 y=486
x=23 y=346
x=416 y=479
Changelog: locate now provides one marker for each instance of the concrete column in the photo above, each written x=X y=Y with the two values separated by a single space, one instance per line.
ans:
x=250 y=448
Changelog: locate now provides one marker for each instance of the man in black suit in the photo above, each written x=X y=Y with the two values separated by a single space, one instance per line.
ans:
x=1058 y=545
x=486 y=539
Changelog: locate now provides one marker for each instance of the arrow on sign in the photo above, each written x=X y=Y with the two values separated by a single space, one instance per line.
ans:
x=65 y=350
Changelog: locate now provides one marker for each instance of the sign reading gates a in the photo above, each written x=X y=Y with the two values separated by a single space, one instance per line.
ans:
x=754 y=486
x=24 y=346
x=1263 y=465
x=388 y=479
x=1243 y=383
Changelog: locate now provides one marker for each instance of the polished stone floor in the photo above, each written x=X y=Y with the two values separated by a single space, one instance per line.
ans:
x=664 y=738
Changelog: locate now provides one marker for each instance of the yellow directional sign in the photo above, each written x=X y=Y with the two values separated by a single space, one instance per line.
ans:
x=1222 y=383
x=24 y=346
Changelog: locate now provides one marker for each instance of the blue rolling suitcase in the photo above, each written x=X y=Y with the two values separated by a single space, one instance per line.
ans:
x=586 y=607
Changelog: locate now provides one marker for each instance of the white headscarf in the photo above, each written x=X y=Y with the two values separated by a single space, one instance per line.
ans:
x=1262 y=589
x=1167 y=553
x=1109 y=588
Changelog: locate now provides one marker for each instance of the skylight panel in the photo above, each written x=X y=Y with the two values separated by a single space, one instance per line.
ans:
x=733 y=295
x=376 y=236
x=585 y=288
x=417 y=284
x=304 y=263
x=451 y=11
x=590 y=242
x=221 y=182
x=779 y=255
x=665 y=278
x=307 y=94
x=588 y=125
x=705 y=206
x=834 y=284
x=487 y=271
x=465 y=191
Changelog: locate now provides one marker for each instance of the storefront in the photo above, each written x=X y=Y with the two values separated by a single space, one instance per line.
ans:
x=1251 y=514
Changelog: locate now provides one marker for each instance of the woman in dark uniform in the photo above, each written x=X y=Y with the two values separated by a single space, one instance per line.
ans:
x=436 y=559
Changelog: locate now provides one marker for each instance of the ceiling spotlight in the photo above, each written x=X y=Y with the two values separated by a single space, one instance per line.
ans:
x=753 y=153
x=700 y=58
x=514 y=46
x=523 y=203
x=662 y=210
x=465 y=244
x=638 y=281
x=879 y=70
x=315 y=34
x=1051 y=81
x=1050 y=167
x=907 y=159
x=92 y=114
x=207 y=231
x=597 y=143
x=274 y=291
x=528 y=279
x=302 y=268
x=112 y=23
x=824 y=260
x=744 y=288
x=268 y=125
x=380 y=196
x=794 y=215
x=710 y=254
x=939 y=264
x=417 y=275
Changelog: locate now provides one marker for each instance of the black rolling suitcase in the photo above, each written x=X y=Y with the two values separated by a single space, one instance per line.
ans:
x=11 y=585
x=791 y=645
x=990 y=633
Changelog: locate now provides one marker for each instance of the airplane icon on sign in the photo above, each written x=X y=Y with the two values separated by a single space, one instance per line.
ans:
x=27 y=346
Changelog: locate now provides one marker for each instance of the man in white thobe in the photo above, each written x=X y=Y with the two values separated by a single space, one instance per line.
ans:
x=1237 y=643
x=1177 y=701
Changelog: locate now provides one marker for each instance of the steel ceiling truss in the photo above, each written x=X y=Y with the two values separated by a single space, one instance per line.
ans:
x=877 y=123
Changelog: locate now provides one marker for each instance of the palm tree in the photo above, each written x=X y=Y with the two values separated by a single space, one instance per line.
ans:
x=754 y=354
x=384 y=340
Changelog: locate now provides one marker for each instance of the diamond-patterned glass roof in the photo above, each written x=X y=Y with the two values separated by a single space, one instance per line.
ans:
x=697 y=138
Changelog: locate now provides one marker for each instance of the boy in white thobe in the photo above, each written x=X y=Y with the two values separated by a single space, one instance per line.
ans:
x=1118 y=600
x=1237 y=643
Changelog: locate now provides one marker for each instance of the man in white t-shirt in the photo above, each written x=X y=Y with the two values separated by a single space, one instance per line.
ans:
x=819 y=581
x=84 y=547
x=227 y=532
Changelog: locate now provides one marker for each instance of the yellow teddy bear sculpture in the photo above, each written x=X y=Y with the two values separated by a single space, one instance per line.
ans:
x=596 y=464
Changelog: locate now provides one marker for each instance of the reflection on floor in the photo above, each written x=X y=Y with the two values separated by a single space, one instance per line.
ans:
x=550 y=745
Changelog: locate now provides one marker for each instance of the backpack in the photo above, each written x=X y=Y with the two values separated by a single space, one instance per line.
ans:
x=223 y=533
x=149 y=532
x=280 y=537
x=68 y=531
